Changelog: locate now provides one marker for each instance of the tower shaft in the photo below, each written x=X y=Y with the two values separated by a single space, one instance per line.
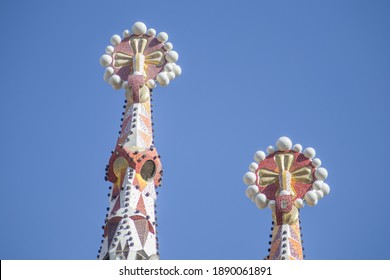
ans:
x=135 y=63
x=286 y=242
x=135 y=171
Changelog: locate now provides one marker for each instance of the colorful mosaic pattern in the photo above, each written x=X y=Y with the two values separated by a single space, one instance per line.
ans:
x=134 y=168
x=130 y=229
x=284 y=180
x=272 y=171
x=286 y=243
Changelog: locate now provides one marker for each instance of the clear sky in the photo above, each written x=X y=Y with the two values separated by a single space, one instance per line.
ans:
x=316 y=71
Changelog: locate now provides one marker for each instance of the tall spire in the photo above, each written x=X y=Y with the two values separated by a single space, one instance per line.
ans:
x=135 y=63
x=284 y=180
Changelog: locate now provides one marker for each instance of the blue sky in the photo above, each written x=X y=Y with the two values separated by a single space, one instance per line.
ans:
x=316 y=71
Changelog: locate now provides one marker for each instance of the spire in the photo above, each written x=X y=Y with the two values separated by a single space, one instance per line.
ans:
x=284 y=180
x=135 y=63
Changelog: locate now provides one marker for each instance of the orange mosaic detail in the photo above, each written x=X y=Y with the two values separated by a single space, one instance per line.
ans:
x=147 y=107
x=296 y=249
x=295 y=232
x=146 y=137
x=147 y=122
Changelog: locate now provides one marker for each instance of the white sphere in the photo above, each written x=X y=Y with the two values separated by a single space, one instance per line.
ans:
x=316 y=162
x=249 y=178
x=109 y=71
x=109 y=49
x=317 y=185
x=309 y=152
x=105 y=60
x=319 y=194
x=168 y=46
x=168 y=67
x=116 y=86
x=325 y=189
x=172 y=56
x=139 y=28
x=115 y=40
x=284 y=143
x=151 y=32
x=115 y=80
x=321 y=174
x=259 y=156
x=270 y=150
x=311 y=198
x=299 y=203
x=177 y=70
x=162 y=37
x=285 y=192
x=251 y=191
x=171 y=75
x=151 y=83
x=125 y=84
x=271 y=204
x=163 y=79
x=126 y=33
x=261 y=201
x=253 y=166
x=297 y=148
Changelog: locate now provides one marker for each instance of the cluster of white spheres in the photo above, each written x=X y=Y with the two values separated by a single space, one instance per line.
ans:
x=170 y=71
x=311 y=198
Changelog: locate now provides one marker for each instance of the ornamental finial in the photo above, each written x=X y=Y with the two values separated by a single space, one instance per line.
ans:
x=286 y=179
x=140 y=58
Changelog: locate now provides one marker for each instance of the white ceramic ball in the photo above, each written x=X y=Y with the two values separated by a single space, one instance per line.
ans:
x=319 y=194
x=177 y=70
x=284 y=143
x=309 y=152
x=125 y=84
x=317 y=185
x=109 y=71
x=271 y=204
x=299 y=203
x=172 y=56
x=117 y=86
x=109 y=49
x=139 y=28
x=115 y=80
x=253 y=166
x=249 y=178
x=311 y=198
x=270 y=150
x=168 y=46
x=251 y=191
x=115 y=40
x=151 y=83
x=168 y=67
x=285 y=192
x=261 y=201
x=171 y=75
x=259 y=156
x=126 y=33
x=105 y=60
x=163 y=79
x=325 y=189
x=297 y=148
x=321 y=174
x=151 y=32
x=316 y=162
x=162 y=37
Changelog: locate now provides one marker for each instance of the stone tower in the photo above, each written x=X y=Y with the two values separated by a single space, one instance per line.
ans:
x=135 y=63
